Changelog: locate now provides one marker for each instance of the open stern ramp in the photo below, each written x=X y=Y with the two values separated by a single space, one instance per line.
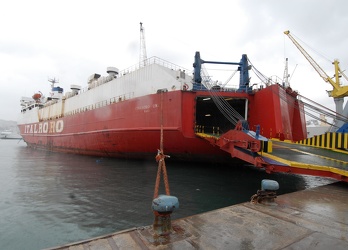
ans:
x=278 y=156
x=242 y=144
x=301 y=159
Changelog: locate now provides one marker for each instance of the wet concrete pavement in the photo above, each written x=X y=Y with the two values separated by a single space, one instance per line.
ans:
x=310 y=219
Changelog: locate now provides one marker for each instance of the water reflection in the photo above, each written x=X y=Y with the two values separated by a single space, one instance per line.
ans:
x=59 y=198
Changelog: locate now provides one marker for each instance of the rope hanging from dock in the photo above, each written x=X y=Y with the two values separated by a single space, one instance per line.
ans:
x=161 y=169
x=160 y=158
x=162 y=205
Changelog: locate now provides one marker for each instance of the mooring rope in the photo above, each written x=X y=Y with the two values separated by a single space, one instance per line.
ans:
x=161 y=162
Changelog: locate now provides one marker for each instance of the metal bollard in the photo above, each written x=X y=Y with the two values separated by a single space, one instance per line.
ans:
x=163 y=206
x=267 y=194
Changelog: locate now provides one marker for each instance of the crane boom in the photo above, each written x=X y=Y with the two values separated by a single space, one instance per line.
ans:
x=338 y=90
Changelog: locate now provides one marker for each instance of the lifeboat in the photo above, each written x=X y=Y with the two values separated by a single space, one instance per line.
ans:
x=37 y=96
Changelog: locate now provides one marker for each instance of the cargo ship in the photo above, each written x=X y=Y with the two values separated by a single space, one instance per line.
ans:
x=121 y=114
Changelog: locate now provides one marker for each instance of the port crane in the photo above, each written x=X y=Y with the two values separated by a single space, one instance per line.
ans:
x=338 y=92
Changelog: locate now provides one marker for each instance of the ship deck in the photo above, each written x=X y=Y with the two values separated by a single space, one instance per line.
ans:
x=310 y=219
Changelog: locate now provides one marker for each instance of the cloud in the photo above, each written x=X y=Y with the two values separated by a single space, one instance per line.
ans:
x=71 y=40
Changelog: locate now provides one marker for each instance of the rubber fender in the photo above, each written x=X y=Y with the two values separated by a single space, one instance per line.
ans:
x=269 y=185
x=165 y=203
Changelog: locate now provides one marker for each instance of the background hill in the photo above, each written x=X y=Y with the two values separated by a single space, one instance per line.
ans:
x=8 y=125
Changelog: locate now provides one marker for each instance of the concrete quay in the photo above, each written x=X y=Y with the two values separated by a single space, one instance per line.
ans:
x=315 y=218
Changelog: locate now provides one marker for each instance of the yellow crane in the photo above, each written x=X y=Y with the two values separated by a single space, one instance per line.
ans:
x=338 y=91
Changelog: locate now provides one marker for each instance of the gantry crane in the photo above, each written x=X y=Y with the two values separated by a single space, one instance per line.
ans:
x=338 y=92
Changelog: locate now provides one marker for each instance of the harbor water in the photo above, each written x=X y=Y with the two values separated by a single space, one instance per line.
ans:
x=49 y=199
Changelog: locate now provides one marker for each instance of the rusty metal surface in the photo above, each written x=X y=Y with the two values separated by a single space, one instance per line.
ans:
x=311 y=219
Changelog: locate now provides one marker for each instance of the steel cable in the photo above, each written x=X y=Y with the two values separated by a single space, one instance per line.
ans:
x=321 y=110
x=225 y=108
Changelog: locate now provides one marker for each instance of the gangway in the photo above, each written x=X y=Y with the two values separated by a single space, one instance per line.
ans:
x=280 y=156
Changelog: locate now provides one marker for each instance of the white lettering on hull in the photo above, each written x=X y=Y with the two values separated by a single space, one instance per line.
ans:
x=51 y=127
x=147 y=108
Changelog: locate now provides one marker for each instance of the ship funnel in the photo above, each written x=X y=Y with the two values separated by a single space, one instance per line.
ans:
x=112 y=71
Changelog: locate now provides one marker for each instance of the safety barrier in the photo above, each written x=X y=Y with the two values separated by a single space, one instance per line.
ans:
x=327 y=140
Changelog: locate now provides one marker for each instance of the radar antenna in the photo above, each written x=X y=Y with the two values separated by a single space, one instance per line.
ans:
x=53 y=81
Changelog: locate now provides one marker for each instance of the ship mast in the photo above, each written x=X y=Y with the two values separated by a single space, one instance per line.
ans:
x=53 y=81
x=143 y=56
x=286 y=75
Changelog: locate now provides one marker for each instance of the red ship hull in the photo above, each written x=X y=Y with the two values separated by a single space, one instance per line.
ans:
x=131 y=128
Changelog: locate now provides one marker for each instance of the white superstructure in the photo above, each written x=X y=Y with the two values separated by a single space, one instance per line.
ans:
x=101 y=91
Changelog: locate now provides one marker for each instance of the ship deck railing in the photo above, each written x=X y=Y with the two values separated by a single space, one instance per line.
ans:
x=93 y=106
x=149 y=61
x=100 y=104
x=31 y=106
x=212 y=131
x=153 y=60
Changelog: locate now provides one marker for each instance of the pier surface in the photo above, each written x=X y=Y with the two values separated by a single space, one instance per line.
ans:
x=315 y=218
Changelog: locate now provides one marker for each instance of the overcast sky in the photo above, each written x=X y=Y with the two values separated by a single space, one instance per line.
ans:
x=72 y=39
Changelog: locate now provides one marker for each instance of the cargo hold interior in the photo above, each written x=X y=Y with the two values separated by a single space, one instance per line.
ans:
x=210 y=119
